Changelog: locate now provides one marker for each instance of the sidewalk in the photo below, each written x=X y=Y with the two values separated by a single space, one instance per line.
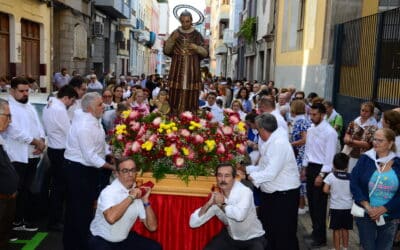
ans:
x=305 y=228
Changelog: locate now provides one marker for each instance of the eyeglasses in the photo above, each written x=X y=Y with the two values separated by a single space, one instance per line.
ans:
x=376 y=140
x=126 y=171
x=8 y=115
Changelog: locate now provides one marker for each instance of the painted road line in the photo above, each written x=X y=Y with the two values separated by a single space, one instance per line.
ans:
x=32 y=243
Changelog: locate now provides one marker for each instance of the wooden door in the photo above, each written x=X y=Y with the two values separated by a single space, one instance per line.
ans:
x=4 y=45
x=30 y=33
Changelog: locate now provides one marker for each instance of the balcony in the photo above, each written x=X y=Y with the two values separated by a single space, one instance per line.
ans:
x=220 y=47
x=223 y=12
x=113 y=8
x=228 y=37
x=129 y=23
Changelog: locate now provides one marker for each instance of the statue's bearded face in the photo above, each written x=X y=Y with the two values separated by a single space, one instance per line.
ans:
x=186 y=22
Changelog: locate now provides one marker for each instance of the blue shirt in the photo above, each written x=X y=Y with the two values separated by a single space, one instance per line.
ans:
x=385 y=189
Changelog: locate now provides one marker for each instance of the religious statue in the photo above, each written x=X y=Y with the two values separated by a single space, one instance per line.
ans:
x=186 y=48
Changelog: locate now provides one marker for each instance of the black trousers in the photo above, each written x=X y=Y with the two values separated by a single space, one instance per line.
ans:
x=317 y=203
x=57 y=185
x=7 y=213
x=26 y=172
x=223 y=241
x=134 y=241
x=279 y=216
x=81 y=189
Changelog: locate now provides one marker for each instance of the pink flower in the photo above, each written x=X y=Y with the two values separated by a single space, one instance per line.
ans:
x=135 y=126
x=198 y=139
x=157 y=121
x=241 y=148
x=134 y=115
x=203 y=123
x=120 y=137
x=191 y=154
x=228 y=111
x=233 y=119
x=187 y=115
x=185 y=132
x=135 y=147
x=179 y=161
x=227 y=130
x=141 y=132
x=153 y=138
x=172 y=137
x=220 y=149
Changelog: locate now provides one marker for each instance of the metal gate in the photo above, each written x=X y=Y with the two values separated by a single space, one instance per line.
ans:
x=367 y=63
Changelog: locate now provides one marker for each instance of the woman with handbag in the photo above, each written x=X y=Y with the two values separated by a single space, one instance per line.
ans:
x=375 y=186
x=358 y=136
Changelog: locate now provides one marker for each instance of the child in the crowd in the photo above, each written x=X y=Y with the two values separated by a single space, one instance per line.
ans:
x=337 y=184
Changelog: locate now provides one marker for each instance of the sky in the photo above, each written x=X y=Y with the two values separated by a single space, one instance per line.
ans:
x=173 y=23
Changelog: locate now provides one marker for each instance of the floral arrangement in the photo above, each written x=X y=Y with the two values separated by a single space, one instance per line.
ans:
x=188 y=145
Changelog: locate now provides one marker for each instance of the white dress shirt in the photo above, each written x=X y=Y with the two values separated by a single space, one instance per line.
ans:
x=320 y=146
x=56 y=123
x=112 y=195
x=24 y=127
x=86 y=141
x=74 y=107
x=277 y=169
x=281 y=121
x=95 y=85
x=240 y=214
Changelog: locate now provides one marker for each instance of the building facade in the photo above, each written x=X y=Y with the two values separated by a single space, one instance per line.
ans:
x=25 y=39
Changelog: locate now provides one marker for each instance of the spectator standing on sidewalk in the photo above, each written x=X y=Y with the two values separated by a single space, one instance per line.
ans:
x=25 y=144
x=335 y=120
x=319 y=152
x=337 y=184
x=8 y=181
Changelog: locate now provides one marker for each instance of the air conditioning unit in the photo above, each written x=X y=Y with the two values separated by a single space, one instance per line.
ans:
x=98 y=28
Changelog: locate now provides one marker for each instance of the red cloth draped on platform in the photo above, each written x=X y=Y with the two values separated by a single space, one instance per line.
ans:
x=173 y=214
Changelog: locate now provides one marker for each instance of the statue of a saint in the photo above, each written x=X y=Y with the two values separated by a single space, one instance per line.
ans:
x=186 y=48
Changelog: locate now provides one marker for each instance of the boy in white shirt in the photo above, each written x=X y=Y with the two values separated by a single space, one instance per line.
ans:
x=337 y=184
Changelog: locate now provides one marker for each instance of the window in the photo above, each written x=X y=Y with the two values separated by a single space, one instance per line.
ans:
x=300 y=23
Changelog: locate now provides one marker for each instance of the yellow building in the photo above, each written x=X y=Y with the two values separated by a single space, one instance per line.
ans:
x=305 y=38
x=25 y=39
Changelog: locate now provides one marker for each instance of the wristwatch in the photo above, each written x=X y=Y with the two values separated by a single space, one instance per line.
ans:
x=322 y=174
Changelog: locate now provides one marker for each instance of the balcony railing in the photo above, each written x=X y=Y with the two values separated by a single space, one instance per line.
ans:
x=113 y=8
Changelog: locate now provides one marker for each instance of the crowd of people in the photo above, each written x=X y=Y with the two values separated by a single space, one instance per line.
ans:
x=300 y=154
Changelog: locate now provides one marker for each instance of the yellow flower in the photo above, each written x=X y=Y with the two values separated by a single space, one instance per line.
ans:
x=125 y=114
x=120 y=129
x=210 y=145
x=169 y=151
x=194 y=125
x=148 y=145
x=160 y=130
x=185 y=151
x=241 y=126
